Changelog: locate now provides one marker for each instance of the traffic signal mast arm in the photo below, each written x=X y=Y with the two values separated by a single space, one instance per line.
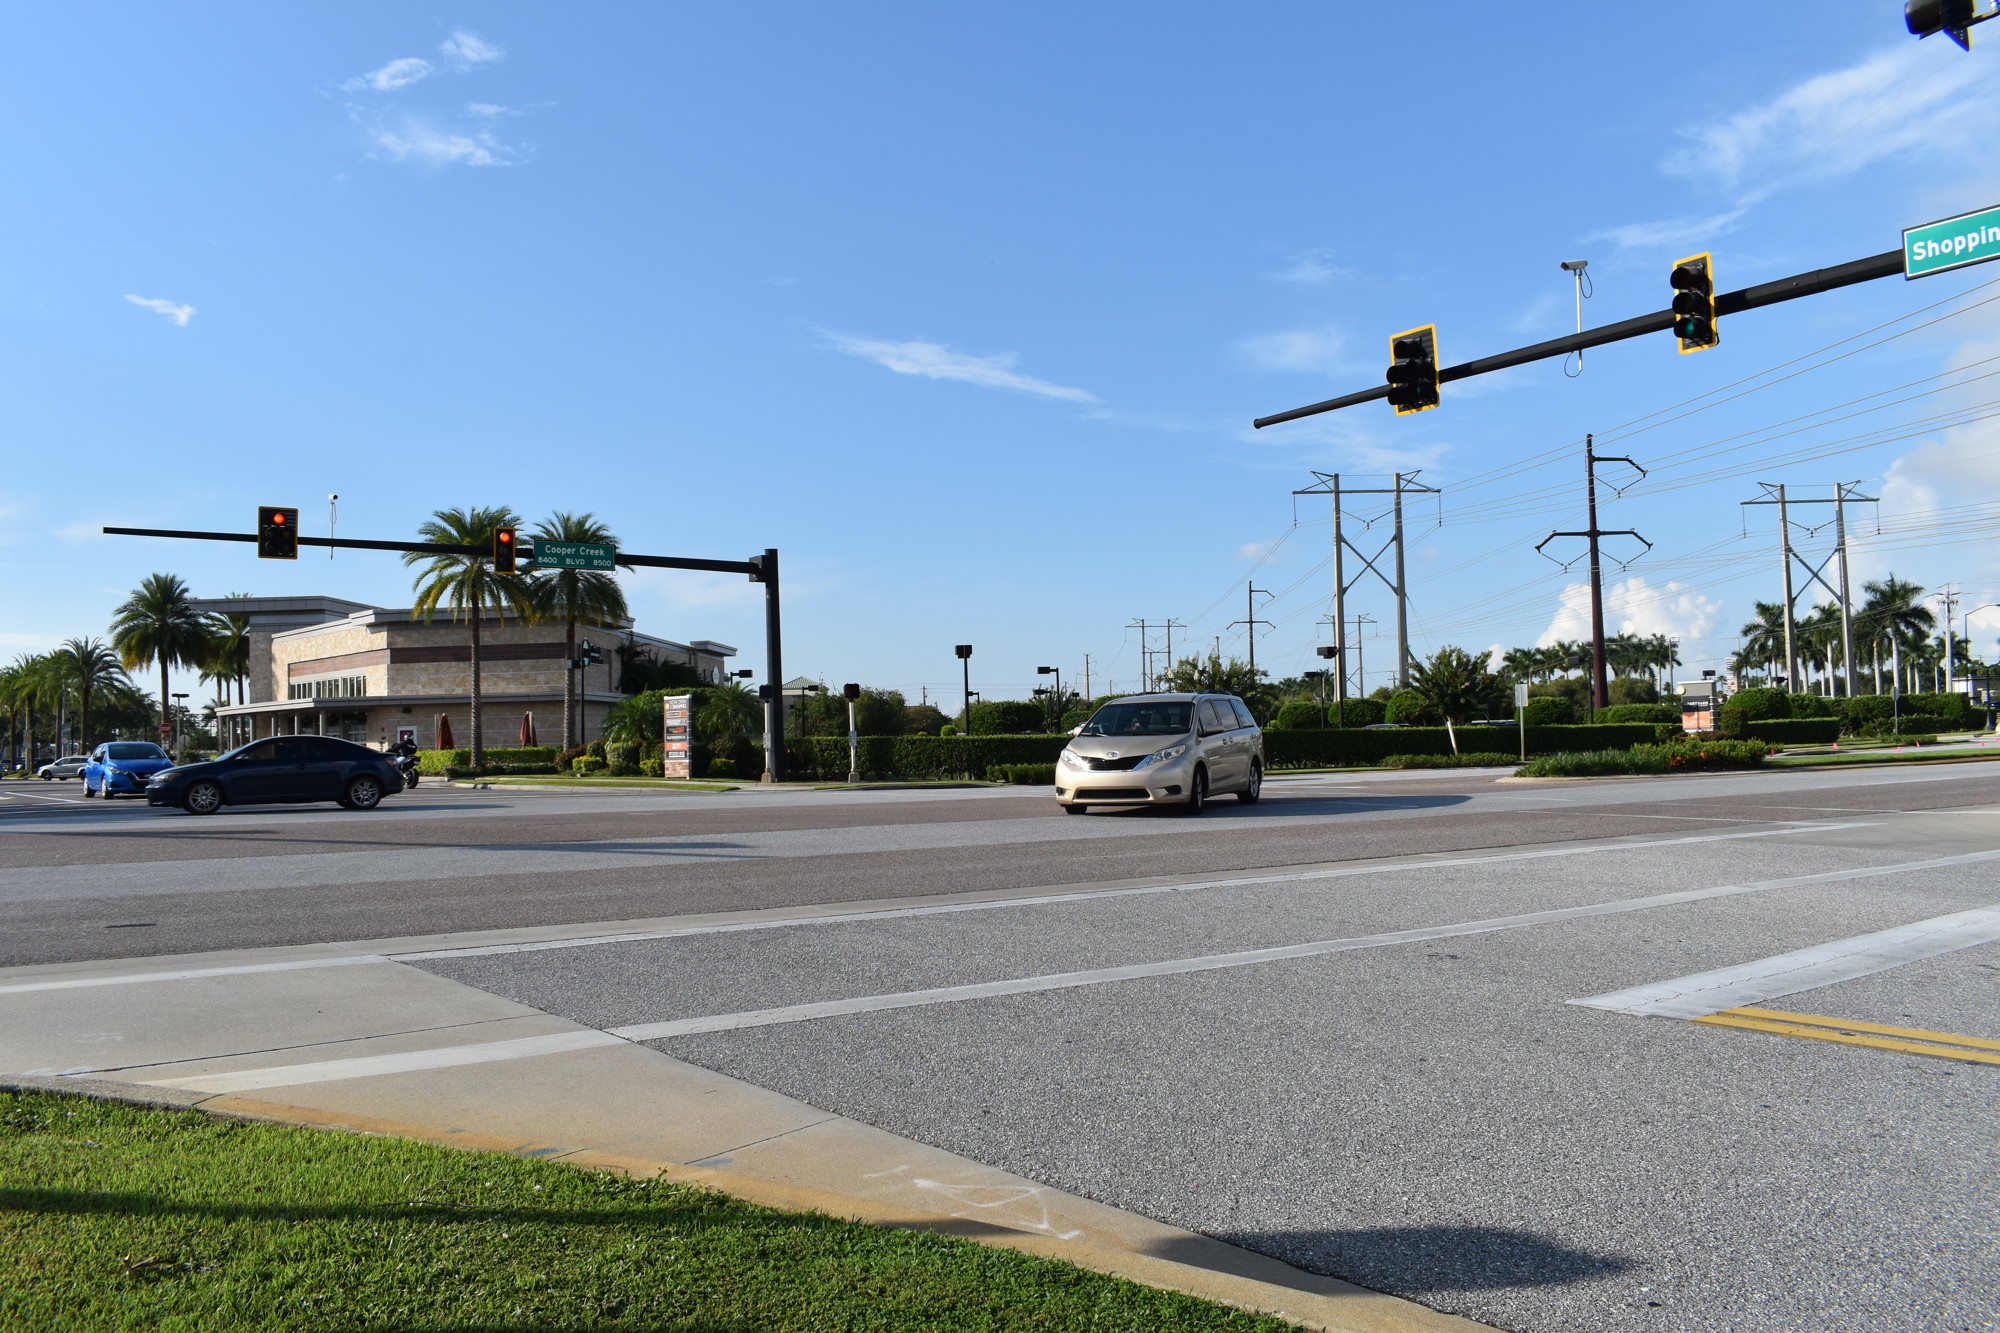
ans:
x=359 y=544
x=1885 y=265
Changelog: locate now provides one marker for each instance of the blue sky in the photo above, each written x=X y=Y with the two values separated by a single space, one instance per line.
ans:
x=968 y=310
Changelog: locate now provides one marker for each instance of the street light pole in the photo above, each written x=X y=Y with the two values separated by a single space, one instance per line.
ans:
x=964 y=651
x=1057 y=673
x=853 y=692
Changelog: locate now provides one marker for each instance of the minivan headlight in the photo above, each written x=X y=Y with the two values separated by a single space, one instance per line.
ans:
x=1166 y=756
x=1071 y=759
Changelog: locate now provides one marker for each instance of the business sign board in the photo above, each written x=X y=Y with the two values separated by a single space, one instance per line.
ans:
x=574 y=555
x=1935 y=247
x=677 y=736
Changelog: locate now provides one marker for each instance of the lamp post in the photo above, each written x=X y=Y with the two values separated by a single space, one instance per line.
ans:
x=1057 y=673
x=181 y=707
x=964 y=651
x=852 y=692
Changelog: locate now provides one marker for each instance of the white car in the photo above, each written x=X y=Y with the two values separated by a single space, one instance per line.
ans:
x=69 y=766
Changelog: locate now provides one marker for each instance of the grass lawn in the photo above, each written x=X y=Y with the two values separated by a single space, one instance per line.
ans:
x=1925 y=755
x=667 y=784
x=112 y=1217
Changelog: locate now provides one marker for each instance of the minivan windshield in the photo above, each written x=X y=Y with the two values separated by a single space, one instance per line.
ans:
x=135 y=750
x=1141 y=719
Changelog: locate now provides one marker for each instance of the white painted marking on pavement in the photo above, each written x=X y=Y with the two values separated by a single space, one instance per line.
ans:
x=1803 y=969
x=799 y=1013
x=894 y=913
x=449 y=1056
x=369 y=1066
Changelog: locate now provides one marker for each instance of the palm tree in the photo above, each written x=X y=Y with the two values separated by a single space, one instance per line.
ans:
x=1894 y=610
x=1764 y=637
x=730 y=706
x=230 y=662
x=23 y=685
x=577 y=595
x=89 y=666
x=469 y=585
x=158 y=623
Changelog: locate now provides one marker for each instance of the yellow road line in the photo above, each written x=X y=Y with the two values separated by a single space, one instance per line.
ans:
x=1849 y=1025
x=1727 y=1019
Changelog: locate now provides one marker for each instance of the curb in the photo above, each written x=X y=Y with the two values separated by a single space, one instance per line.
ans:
x=1239 y=1278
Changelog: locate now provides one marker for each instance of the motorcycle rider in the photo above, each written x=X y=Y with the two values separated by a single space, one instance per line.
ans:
x=405 y=753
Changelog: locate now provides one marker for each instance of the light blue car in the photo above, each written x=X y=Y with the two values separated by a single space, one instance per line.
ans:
x=122 y=768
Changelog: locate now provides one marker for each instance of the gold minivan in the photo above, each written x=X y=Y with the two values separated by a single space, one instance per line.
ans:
x=1163 y=749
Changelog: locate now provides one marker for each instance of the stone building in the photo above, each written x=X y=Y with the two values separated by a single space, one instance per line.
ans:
x=321 y=665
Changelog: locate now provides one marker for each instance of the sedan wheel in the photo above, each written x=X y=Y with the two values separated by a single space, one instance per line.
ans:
x=203 y=798
x=364 y=793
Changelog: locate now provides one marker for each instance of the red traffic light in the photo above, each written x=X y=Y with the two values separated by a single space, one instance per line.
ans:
x=505 y=536
x=278 y=519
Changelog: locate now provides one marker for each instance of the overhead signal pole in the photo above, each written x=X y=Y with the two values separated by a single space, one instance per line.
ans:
x=1600 y=686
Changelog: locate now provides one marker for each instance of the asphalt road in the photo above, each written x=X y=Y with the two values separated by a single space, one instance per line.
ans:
x=1338 y=1026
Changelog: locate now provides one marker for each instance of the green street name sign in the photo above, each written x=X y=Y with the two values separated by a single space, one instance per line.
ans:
x=575 y=555
x=1969 y=238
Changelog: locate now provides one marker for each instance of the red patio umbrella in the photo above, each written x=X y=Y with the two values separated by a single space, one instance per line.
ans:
x=444 y=732
x=527 y=730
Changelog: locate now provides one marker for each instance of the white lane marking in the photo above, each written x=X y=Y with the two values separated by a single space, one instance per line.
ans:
x=799 y=1013
x=448 y=1056
x=191 y=973
x=369 y=1066
x=1803 y=969
x=895 y=913
x=1082 y=895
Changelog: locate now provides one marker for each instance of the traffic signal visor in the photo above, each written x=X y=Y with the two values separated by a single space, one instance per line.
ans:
x=277 y=533
x=1413 y=370
x=1693 y=281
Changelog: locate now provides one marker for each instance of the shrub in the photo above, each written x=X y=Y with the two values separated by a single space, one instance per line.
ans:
x=1597 y=763
x=1553 y=710
x=652 y=768
x=1493 y=760
x=1641 y=713
x=1758 y=705
x=1694 y=755
x=1412 y=710
x=586 y=763
x=721 y=768
x=1299 y=714
x=1794 y=730
x=1626 y=691
x=497 y=758
x=1356 y=713
x=568 y=756
x=1023 y=775
x=1075 y=718
x=743 y=755
x=921 y=719
x=1006 y=717
x=1349 y=746
x=622 y=758
x=595 y=749
x=920 y=756
x=948 y=729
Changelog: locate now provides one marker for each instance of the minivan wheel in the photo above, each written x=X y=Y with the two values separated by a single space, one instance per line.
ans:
x=1075 y=809
x=1255 y=787
x=203 y=798
x=364 y=793
x=1197 y=797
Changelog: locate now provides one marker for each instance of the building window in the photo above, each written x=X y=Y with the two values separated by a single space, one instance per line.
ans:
x=333 y=687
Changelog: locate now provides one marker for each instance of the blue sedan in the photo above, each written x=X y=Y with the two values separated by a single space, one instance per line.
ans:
x=123 y=768
x=280 y=769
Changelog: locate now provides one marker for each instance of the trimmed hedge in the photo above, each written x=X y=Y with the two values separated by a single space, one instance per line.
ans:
x=1348 y=748
x=1493 y=760
x=1299 y=715
x=1356 y=713
x=1795 y=730
x=439 y=761
x=919 y=756
x=1023 y=775
x=1641 y=713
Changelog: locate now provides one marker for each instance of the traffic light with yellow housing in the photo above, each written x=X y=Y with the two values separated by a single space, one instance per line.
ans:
x=277 y=533
x=1693 y=281
x=503 y=550
x=1413 y=370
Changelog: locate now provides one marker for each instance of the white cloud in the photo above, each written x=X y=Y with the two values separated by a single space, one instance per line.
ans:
x=1671 y=233
x=396 y=74
x=1336 y=442
x=1929 y=98
x=416 y=140
x=1320 y=351
x=938 y=362
x=1633 y=606
x=1311 y=266
x=466 y=49
x=179 y=314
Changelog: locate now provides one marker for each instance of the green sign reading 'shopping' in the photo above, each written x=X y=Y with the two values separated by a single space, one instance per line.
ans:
x=575 y=555
x=1969 y=238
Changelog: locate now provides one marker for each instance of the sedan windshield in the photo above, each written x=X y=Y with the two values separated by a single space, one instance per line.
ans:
x=1141 y=719
x=135 y=750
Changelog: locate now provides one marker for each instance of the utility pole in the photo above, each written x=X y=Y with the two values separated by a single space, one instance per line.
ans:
x=1329 y=484
x=1171 y=622
x=1843 y=493
x=1600 y=687
x=1145 y=658
x=1087 y=695
x=1360 y=670
x=1950 y=599
x=1250 y=620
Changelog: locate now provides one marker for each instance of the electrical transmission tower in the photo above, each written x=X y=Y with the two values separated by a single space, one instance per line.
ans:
x=1600 y=688
x=1148 y=678
x=1788 y=555
x=1329 y=484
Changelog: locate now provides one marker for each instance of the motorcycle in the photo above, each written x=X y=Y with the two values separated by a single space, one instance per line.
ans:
x=406 y=764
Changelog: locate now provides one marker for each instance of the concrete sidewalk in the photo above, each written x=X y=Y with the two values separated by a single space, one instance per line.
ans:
x=344 y=1037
